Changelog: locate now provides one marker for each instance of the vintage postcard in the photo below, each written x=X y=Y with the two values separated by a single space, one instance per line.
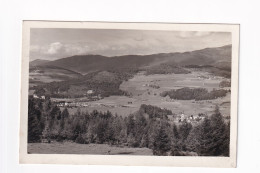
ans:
x=149 y=94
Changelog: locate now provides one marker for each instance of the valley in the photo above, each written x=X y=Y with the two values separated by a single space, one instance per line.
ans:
x=92 y=104
x=122 y=84
x=142 y=93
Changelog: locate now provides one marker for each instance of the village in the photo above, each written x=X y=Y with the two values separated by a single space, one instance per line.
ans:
x=146 y=90
x=181 y=117
x=88 y=102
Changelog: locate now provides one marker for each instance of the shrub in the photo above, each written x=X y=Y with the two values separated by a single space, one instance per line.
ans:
x=80 y=140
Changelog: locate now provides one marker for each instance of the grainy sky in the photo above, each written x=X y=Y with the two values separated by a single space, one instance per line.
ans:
x=51 y=44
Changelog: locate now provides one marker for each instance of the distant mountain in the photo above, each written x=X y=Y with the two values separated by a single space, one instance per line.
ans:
x=219 y=57
x=209 y=56
x=82 y=63
x=38 y=62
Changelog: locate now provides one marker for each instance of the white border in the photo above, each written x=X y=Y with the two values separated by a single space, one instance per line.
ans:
x=182 y=161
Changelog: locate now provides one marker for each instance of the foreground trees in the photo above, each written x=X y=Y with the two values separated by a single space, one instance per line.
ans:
x=162 y=141
x=149 y=127
x=211 y=137
x=34 y=122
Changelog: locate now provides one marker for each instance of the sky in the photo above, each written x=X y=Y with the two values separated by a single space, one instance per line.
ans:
x=56 y=43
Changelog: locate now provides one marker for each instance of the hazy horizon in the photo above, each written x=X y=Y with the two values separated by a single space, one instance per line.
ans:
x=56 y=43
x=122 y=55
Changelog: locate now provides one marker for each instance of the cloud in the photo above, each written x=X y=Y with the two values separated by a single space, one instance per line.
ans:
x=54 y=48
x=190 y=34
x=200 y=34
x=53 y=44
x=75 y=49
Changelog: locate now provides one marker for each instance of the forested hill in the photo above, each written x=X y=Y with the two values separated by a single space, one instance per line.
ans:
x=219 y=57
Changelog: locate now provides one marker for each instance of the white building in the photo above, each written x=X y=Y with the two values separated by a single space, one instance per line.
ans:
x=90 y=92
x=182 y=117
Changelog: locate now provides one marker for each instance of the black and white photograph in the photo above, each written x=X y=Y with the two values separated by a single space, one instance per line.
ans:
x=129 y=86
x=124 y=91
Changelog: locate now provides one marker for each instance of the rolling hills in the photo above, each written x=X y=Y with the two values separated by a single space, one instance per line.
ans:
x=219 y=57
x=105 y=74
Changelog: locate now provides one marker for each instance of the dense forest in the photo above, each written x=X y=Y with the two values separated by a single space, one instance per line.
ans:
x=194 y=93
x=166 y=68
x=210 y=137
x=217 y=71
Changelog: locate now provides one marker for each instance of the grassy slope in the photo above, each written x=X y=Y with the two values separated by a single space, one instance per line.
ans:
x=74 y=148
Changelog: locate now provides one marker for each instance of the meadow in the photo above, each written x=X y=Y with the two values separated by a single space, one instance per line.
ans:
x=142 y=92
x=74 y=148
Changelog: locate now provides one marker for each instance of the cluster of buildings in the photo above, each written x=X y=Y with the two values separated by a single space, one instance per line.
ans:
x=182 y=117
x=38 y=97
x=72 y=104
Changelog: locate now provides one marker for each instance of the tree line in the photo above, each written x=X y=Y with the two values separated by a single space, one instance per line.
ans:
x=149 y=127
x=194 y=93
x=166 y=68
x=225 y=83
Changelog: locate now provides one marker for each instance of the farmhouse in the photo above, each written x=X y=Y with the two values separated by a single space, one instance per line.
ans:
x=60 y=104
x=182 y=117
x=90 y=92
x=38 y=97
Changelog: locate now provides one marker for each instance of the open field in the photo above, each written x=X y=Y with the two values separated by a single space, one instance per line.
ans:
x=143 y=93
x=74 y=148
x=196 y=79
x=50 y=74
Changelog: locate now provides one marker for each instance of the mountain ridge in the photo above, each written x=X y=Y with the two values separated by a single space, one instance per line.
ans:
x=218 y=56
